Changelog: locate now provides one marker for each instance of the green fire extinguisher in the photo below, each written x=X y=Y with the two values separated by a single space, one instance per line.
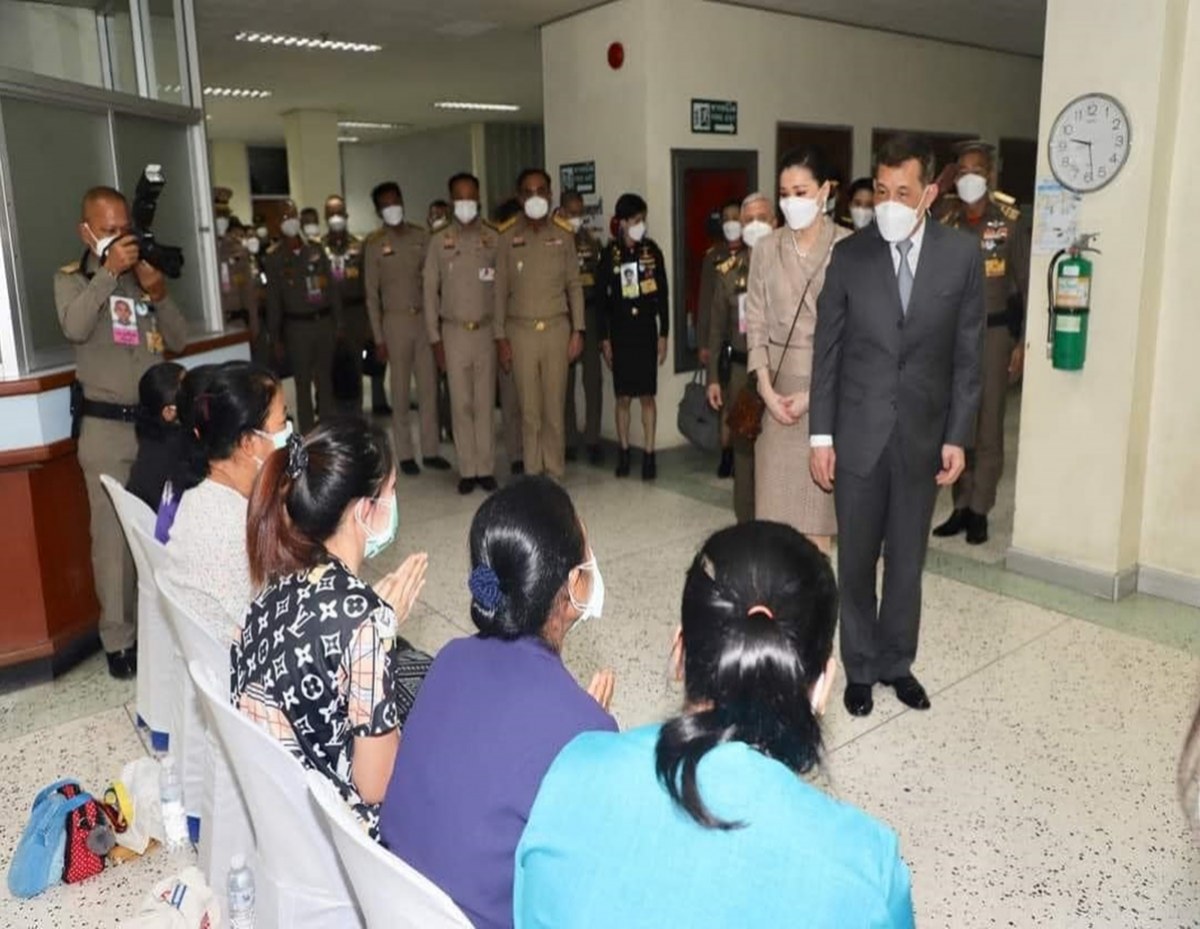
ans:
x=1069 y=283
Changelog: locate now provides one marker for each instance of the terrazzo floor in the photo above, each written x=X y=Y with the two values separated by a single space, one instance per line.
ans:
x=1038 y=791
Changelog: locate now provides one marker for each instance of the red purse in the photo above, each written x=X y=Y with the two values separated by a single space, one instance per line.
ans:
x=83 y=824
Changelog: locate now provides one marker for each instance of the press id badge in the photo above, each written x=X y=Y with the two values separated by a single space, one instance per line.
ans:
x=338 y=263
x=124 y=313
x=741 y=313
x=487 y=275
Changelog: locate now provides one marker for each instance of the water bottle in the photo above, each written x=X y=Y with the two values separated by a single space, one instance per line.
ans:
x=171 y=791
x=241 y=894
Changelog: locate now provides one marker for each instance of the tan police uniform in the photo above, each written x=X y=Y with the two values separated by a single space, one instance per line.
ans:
x=345 y=254
x=587 y=248
x=539 y=303
x=715 y=255
x=239 y=287
x=304 y=313
x=1005 y=243
x=395 y=259
x=114 y=346
x=460 y=275
x=510 y=416
x=727 y=333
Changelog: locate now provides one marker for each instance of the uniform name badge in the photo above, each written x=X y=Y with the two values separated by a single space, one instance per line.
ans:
x=629 y=281
x=741 y=313
x=339 y=267
x=124 y=315
x=487 y=275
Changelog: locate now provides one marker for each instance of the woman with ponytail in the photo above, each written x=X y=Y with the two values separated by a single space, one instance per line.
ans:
x=319 y=663
x=707 y=819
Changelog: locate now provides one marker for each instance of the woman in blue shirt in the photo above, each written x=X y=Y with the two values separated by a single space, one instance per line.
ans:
x=706 y=820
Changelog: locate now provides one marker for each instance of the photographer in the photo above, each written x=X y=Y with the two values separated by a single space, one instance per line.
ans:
x=113 y=307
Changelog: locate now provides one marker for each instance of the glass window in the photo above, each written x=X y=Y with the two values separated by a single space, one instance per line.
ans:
x=117 y=31
x=142 y=141
x=55 y=153
x=57 y=41
x=164 y=46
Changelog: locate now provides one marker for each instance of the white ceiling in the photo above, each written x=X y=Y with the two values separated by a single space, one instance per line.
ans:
x=430 y=52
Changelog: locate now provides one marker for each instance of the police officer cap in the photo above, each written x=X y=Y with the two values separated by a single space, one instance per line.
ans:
x=629 y=205
x=975 y=145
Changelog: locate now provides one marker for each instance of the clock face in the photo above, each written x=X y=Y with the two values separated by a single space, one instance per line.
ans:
x=1089 y=142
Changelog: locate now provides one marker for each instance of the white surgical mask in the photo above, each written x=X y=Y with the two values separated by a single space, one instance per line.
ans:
x=637 y=231
x=861 y=216
x=438 y=223
x=376 y=542
x=971 y=188
x=392 y=215
x=799 y=212
x=732 y=230
x=337 y=222
x=290 y=227
x=594 y=607
x=896 y=221
x=755 y=231
x=222 y=225
x=465 y=211
x=278 y=439
x=100 y=246
x=252 y=245
x=576 y=222
x=261 y=232
x=537 y=207
x=312 y=230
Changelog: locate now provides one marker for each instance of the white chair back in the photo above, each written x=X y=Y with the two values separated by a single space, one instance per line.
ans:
x=294 y=846
x=391 y=894
x=158 y=695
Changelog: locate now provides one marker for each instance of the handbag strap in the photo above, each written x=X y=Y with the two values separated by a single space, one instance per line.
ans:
x=796 y=318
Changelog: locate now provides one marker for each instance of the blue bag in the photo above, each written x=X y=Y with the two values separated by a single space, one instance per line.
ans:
x=39 y=858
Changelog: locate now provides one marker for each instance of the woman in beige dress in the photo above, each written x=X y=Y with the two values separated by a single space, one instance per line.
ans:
x=792 y=258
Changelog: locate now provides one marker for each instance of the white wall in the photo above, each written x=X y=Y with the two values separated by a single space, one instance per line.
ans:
x=779 y=69
x=420 y=163
x=230 y=168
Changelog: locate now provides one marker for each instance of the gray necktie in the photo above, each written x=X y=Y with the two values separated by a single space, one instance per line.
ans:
x=904 y=275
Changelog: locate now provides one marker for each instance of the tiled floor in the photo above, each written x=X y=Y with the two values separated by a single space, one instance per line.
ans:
x=1039 y=791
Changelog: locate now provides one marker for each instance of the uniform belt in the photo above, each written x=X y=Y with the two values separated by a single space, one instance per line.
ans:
x=996 y=320
x=473 y=326
x=739 y=358
x=537 y=325
x=115 y=411
x=307 y=317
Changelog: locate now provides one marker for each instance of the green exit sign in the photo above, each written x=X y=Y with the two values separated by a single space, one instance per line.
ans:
x=718 y=117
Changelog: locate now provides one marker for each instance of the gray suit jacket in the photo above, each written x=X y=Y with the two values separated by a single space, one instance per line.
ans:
x=877 y=370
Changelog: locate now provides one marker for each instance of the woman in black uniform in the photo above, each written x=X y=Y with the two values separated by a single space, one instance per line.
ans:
x=634 y=325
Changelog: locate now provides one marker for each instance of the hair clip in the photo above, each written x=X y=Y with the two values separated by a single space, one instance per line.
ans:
x=485 y=588
x=760 y=610
x=297 y=462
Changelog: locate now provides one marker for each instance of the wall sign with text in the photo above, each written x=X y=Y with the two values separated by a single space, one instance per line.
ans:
x=579 y=177
x=718 y=117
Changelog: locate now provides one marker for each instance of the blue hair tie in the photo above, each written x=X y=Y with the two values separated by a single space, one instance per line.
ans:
x=485 y=588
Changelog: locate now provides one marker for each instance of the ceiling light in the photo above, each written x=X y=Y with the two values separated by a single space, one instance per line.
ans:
x=244 y=93
x=323 y=43
x=348 y=138
x=361 y=124
x=490 y=107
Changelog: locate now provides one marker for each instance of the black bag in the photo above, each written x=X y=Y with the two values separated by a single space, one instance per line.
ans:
x=699 y=423
x=371 y=365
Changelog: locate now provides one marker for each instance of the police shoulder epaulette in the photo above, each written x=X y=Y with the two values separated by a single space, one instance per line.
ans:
x=1007 y=206
x=488 y=224
x=564 y=225
x=506 y=225
x=725 y=266
x=72 y=268
x=1002 y=197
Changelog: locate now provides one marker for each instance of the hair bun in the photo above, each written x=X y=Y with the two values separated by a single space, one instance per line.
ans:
x=485 y=588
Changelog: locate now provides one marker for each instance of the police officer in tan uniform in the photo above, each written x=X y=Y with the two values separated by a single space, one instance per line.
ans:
x=304 y=314
x=587 y=248
x=395 y=259
x=345 y=253
x=993 y=218
x=460 y=274
x=235 y=270
x=539 y=322
x=115 y=310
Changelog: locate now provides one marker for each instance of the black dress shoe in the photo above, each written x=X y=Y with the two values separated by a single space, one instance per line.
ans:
x=595 y=455
x=909 y=692
x=649 y=466
x=383 y=410
x=624 y=462
x=977 y=528
x=466 y=485
x=572 y=453
x=518 y=468
x=436 y=463
x=958 y=522
x=123 y=664
x=488 y=483
x=409 y=468
x=725 y=468
x=858 y=699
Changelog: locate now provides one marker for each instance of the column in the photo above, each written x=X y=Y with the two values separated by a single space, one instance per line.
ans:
x=314 y=159
x=230 y=168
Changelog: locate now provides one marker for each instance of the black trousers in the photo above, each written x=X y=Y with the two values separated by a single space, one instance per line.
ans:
x=890 y=509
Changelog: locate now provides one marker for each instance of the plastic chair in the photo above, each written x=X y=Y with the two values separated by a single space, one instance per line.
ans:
x=225 y=828
x=188 y=744
x=306 y=887
x=158 y=694
x=391 y=893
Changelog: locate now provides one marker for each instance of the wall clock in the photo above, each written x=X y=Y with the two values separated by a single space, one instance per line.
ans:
x=1089 y=142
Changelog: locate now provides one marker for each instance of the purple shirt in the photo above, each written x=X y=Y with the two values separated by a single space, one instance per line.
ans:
x=489 y=719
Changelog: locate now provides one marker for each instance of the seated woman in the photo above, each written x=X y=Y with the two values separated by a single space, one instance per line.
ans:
x=182 y=471
x=496 y=708
x=706 y=820
x=159 y=437
x=237 y=419
x=319 y=663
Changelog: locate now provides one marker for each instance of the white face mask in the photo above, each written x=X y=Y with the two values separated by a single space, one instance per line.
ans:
x=537 y=208
x=755 y=231
x=222 y=225
x=861 y=216
x=312 y=230
x=896 y=221
x=261 y=232
x=576 y=222
x=732 y=230
x=799 y=212
x=290 y=227
x=971 y=188
x=594 y=607
x=277 y=439
x=337 y=222
x=465 y=211
x=252 y=245
x=637 y=231
x=392 y=215
x=100 y=246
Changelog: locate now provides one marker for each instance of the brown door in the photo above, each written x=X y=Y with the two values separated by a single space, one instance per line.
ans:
x=836 y=142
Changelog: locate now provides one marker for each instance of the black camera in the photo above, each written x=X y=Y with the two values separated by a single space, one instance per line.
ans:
x=167 y=258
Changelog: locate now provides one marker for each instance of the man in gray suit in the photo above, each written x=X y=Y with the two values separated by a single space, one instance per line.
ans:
x=895 y=392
